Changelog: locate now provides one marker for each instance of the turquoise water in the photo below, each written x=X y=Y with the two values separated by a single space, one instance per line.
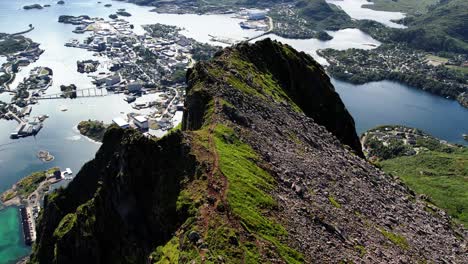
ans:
x=11 y=238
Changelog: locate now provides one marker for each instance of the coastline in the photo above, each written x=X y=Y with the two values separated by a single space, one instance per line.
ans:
x=75 y=129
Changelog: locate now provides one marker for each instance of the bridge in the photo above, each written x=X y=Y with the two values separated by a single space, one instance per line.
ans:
x=270 y=29
x=87 y=92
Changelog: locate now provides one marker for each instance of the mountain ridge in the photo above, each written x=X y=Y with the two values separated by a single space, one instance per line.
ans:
x=259 y=172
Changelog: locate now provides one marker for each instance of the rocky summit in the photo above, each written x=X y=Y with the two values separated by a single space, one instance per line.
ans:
x=266 y=168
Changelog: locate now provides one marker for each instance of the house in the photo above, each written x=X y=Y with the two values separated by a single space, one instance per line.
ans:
x=141 y=122
x=111 y=80
x=134 y=87
x=120 y=122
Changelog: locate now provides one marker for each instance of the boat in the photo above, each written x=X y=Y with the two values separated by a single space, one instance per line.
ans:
x=465 y=136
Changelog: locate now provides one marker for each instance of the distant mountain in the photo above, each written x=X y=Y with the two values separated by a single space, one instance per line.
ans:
x=443 y=28
x=267 y=168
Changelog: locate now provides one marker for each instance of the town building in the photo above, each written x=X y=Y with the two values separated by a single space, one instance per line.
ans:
x=120 y=122
x=134 y=87
x=141 y=122
x=256 y=15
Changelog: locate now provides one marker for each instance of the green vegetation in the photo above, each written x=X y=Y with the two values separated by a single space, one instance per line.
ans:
x=396 y=239
x=441 y=176
x=65 y=225
x=93 y=129
x=334 y=202
x=168 y=253
x=405 y=6
x=395 y=148
x=247 y=193
x=361 y=249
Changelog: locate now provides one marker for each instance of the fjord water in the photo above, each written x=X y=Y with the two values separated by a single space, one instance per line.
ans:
x=355 y=10
x=386 y=102
x=371 y=104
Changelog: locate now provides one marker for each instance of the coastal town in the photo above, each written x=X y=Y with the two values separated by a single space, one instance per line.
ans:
x=149 y=69
x=446 y=77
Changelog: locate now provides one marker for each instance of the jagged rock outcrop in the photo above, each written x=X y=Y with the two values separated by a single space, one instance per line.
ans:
x=260 y=172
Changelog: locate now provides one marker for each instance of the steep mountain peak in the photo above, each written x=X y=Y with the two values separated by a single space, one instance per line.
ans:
x=277 y=73
x=259 y=172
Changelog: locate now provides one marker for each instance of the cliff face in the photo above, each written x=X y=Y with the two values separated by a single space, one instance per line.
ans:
x=260 y=172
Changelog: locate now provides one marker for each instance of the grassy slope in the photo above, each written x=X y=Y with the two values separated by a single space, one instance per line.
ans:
x=443 y=177
x=405 y=6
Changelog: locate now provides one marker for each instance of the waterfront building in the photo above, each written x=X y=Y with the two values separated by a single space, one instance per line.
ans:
x=256 y=15
x=120 y=122
x=141 y=122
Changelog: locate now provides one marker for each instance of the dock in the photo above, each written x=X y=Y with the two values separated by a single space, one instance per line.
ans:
x=27 y=227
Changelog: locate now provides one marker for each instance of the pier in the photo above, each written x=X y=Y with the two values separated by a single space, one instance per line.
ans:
x=31 y=28
x=88 y=92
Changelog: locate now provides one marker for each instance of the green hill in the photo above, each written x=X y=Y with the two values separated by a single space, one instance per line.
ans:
x=441 y=176
x=443 y=28
x=405 y=6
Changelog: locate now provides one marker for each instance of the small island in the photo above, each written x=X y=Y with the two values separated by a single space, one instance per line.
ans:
x=123 y=13
x=93 y=129
x=107 y=5
x=60 y=2
x=45 y=156
x=33 y=6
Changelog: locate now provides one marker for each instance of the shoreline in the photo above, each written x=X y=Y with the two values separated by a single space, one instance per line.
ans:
x=76 y=130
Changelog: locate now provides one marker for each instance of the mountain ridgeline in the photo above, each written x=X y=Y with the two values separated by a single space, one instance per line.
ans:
x=267 y=167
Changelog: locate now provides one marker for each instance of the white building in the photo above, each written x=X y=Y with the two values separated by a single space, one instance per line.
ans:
x=120 y=122
x=256 y=15
x=141 y=122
